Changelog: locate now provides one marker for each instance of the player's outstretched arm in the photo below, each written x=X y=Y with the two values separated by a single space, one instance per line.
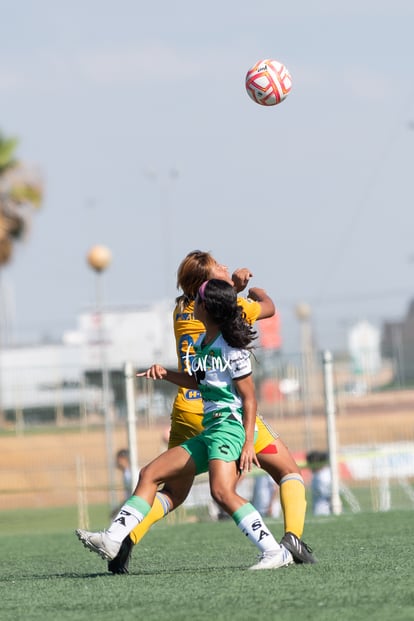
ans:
x=157 y=372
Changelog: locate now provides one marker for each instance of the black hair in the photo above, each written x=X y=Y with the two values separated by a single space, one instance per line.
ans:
x=317 y=459
x=122 y=453
x=220 y=300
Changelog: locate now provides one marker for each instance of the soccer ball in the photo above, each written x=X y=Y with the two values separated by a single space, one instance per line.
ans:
x=268 y=82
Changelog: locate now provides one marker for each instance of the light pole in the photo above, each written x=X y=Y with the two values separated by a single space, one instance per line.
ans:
x=99 y=258
x=303 y=314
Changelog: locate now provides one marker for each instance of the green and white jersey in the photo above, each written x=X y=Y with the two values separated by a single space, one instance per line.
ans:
x=215 y=367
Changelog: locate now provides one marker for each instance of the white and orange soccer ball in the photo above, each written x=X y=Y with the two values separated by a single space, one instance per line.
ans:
x=268 y=82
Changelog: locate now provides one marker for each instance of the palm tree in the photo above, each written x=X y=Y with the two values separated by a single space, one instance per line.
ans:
x=21 y=193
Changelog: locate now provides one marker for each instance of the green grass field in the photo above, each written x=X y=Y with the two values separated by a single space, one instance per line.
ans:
x=199 y=572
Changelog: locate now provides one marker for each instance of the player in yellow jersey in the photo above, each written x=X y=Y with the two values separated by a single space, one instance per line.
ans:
x=187 y=413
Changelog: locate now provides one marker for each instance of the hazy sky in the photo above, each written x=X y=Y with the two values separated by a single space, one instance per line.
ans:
x=137 y=116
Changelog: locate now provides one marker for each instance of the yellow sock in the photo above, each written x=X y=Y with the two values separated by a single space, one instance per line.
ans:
x=293 y=501
x=160 y=508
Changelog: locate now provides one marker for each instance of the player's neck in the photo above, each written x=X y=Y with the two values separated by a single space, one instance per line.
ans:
x=212 y=331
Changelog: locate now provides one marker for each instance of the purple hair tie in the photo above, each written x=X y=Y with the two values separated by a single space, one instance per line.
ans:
x=202 y=290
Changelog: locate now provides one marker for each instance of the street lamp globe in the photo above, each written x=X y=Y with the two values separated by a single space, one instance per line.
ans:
x=99 y=257
x=303 y=311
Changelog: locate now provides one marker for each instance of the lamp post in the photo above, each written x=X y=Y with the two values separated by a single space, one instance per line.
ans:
x=303 y=314
x=99 y=258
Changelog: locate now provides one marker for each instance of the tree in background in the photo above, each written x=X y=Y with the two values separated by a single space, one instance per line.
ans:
x=21 y=193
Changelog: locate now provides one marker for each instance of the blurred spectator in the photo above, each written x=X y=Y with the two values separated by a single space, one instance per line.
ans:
x=123 y=464
x=266 y=495
x=321 y=486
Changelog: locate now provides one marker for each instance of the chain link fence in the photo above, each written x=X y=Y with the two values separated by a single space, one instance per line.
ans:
x=53 y=449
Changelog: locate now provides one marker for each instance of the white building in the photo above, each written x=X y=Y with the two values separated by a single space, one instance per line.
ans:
x=44 y=375
x=141 y=336
x=364 y=346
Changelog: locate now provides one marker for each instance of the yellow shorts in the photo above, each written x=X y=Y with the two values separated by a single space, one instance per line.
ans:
x=186 y=425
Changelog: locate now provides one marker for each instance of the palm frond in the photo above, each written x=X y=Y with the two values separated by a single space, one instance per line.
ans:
x=7 y=149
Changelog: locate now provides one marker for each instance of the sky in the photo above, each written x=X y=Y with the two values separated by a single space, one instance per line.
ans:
x=137 y=117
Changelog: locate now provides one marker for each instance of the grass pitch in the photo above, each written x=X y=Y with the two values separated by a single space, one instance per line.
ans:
x=198 y=572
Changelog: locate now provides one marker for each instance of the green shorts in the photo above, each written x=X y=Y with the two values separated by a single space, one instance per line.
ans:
x=222 y=441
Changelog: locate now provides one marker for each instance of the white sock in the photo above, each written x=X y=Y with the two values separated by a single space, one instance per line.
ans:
x=255 y=529
x=126 y=520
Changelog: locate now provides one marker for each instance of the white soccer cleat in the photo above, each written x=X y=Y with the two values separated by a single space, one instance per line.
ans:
x=272 y=560
x=99 y=542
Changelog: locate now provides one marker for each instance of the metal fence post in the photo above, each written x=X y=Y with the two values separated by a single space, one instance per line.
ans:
x=331 y=430
x=131 y=419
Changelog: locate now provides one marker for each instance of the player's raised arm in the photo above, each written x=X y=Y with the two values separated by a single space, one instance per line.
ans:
x=267 y=307
x=240 y=278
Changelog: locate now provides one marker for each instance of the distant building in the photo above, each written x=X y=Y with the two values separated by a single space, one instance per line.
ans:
x=397 y=344
x=67 y=375
x=364 y=347
x=139 y=335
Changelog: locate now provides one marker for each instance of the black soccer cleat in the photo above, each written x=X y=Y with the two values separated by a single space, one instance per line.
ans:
x=300 y=551
x=120 y=564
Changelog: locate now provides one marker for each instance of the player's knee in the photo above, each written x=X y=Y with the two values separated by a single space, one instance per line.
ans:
x=220 y=494
x=146 y=475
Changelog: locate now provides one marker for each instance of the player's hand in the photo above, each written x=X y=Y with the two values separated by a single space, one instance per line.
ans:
x=248 y=457
x=156 y=371
x=240 y=278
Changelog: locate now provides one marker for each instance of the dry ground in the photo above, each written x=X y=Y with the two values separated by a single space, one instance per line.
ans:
x=40 y=470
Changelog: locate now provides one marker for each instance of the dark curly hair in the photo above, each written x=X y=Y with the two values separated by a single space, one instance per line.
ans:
x=220 y=300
